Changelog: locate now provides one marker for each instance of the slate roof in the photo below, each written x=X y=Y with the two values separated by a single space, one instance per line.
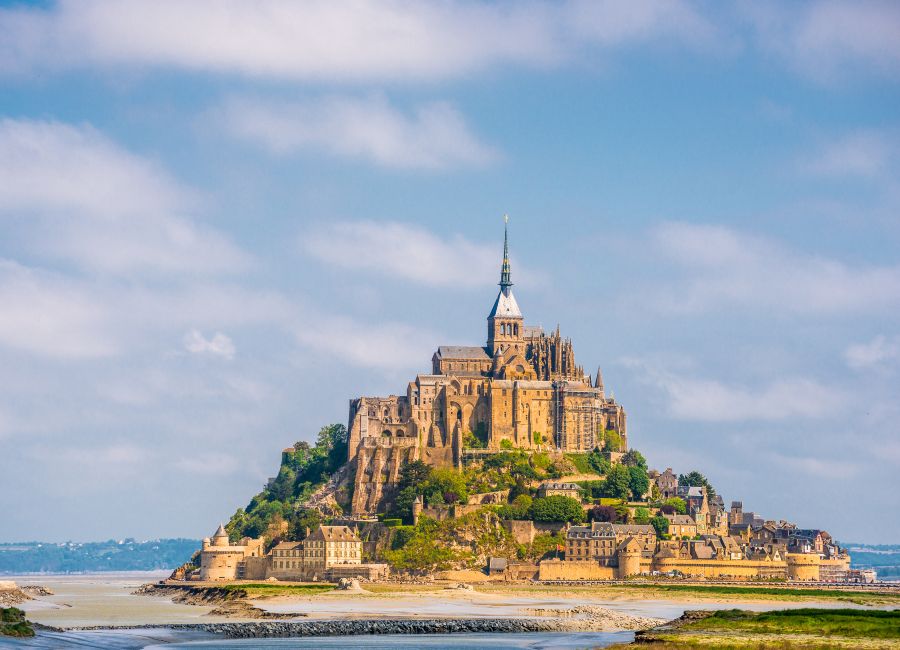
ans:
x=463 y=352
x=335 y=534
x=506 y=305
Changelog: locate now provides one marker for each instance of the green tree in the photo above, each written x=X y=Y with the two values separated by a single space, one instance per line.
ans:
x=638 y=482
x=403 y=503
x=677 y=504
x=415 y=474
x=557 y=508
x=305 y=519
x=332 y=440
x=616 y=485
x=634 y=458
x=449 y=484
x=598 y=462
x=612 y=441
x=523 y=501
x=641 y=516
x=282 y=487
x=661 y=524
x=696 y=479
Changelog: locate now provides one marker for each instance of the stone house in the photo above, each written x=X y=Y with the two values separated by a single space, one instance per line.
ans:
x=681 y=525
x=550 y=488
x=600 y=541
x=667 y=484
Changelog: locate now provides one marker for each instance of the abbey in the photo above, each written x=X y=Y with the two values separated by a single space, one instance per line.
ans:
x=522 y=390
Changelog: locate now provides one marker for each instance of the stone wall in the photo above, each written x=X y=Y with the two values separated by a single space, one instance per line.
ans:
x=562 y=570
x=521 y=531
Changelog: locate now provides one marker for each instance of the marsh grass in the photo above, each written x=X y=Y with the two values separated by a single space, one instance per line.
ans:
x=266 y=589
x=852 y=623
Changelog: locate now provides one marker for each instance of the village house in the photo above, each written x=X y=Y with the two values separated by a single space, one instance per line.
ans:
x=681 y=525
x=550 y=488
x=667 y=484
x=599 y=542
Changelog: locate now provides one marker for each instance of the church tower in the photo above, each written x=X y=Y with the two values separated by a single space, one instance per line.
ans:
x=505 y=322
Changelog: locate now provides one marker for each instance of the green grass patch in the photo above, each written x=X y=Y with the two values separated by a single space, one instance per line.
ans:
x=13 y=623
x=580 y=461
x=751 y=590
x=852 y=623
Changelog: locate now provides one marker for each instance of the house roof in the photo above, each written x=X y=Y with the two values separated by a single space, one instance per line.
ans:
x=680 y=520
x=335 y=534
x=552 y=485
x=463 y=352
x=286 y=546
x=702 y=551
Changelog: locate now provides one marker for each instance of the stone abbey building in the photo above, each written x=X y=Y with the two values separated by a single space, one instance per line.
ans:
x=522 y=390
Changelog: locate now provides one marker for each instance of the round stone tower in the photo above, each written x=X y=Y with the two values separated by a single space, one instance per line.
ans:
x=629 y=555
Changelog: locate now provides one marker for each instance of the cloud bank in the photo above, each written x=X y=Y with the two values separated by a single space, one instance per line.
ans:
x=432 y=136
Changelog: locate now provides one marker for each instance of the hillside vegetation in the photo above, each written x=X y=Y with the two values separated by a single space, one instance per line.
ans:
x=277 y=511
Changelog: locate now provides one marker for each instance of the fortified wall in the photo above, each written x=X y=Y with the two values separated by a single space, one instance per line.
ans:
x=800 y=567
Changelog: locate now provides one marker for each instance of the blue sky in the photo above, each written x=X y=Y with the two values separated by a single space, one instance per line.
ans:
x=219 y=221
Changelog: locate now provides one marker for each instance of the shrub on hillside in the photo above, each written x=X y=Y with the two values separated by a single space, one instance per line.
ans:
x=557 y=508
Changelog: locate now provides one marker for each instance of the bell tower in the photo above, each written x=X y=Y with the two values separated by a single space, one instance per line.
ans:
x=505 y=322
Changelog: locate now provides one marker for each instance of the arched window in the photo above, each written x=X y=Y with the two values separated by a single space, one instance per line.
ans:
x=516 y=328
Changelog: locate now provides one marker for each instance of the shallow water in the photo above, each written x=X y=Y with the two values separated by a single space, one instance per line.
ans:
x=174 y=639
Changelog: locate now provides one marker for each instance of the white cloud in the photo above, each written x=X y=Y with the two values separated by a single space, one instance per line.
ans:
x=612 y=23
x=383 y=346
x=350 y=40
x=723 y=267
x=878 y=352
x=84 y=199
x=708 y=400
x=818 y=467
x=219 y=345
x=861 y=154
x=827 y=41
x=405 y=251
x=50 y=316
x=433 y=136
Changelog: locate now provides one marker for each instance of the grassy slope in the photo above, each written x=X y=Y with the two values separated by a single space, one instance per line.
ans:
x=789 y=629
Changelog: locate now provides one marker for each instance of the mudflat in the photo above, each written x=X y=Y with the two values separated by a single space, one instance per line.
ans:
x=110 y=600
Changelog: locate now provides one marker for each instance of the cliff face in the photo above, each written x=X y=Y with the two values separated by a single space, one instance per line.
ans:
x=377 y=469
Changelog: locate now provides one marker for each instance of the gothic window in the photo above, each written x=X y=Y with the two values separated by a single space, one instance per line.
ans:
x=516 y=328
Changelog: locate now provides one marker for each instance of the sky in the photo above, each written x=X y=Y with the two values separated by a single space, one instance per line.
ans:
x=222 y=220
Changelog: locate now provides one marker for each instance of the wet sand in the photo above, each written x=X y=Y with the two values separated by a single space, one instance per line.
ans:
x=106 y=599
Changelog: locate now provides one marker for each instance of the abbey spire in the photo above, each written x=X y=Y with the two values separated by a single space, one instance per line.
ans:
x=505 y=282
x=505 y=327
